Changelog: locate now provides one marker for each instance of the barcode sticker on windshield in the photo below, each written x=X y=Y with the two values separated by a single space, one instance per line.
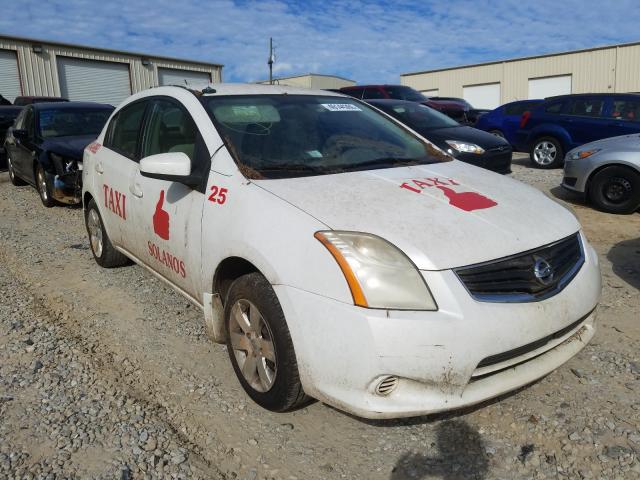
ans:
x=341 y=107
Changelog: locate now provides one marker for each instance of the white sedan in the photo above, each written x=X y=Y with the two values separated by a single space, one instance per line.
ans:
x=338 y=254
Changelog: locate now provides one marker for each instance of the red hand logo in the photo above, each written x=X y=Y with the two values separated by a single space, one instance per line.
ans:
x=161 y=219
x=467 y=201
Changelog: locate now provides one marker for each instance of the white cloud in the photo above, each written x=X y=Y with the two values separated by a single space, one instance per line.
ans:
x=366 y=41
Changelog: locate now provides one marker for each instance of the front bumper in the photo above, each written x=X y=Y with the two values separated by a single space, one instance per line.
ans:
x=576 y=174
x=497 y=161
x=66 y=188
x=440 y=358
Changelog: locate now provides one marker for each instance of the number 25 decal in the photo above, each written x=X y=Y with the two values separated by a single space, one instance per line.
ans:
x=218 y=195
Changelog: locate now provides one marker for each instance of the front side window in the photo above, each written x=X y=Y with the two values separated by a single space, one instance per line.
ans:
x=586 y=107
x=29 y=123
x=124 y=131
x=170 y=129
x=277 y=136
x=626 y=110
x=72 y=122
x=420 y=117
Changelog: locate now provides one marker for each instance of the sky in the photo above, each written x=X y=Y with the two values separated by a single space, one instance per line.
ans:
x=367 y=41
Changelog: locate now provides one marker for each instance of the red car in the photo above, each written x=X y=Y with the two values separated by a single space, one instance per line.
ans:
x=456 y=108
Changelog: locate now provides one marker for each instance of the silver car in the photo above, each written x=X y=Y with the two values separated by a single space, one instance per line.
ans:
x=608 y=172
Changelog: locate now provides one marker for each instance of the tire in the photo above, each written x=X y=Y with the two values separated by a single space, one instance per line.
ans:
x=546 y=152
x=615 y=189
x=263 y=347
x=13 y=178
x=497 y=133
x=43 y=187
x=103 y=251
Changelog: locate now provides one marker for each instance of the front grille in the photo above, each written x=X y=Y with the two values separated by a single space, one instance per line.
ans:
x=514 y=279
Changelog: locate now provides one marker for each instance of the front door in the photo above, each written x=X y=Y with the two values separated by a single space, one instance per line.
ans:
x=168 y=214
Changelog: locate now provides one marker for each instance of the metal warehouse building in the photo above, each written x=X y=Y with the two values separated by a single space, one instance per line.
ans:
x=36 y=67
x=609 y=69
x=313 y=80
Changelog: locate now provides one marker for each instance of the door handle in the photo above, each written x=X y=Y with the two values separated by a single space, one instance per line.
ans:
x=98 y=168
x=136 y=190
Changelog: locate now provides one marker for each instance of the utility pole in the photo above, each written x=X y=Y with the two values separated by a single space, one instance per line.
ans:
x=271 y=60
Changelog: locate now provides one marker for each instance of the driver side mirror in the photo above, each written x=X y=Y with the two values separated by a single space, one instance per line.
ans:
x=20 y=134
x=172 y=167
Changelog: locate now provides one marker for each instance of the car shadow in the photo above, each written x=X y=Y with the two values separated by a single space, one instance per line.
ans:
x=625 y=260
x=458 y=453
x=574 y=198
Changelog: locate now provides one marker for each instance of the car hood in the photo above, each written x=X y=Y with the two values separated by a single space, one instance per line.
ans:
x=464 y=134
x=442 y=215
x=623 y=143
x=71 y=147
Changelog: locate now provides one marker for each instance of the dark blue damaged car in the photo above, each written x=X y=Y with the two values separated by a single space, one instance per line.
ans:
x=44 y=147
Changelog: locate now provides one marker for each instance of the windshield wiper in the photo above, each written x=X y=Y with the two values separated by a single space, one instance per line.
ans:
x=383 y=163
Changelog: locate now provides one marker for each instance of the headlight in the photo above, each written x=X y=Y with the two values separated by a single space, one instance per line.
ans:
x=578 y=154
x=465 y=147
x=379 y=275
x=64 y=165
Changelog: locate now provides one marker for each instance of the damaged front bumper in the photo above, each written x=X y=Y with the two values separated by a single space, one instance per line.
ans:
x=66 y=188
x=391 y=363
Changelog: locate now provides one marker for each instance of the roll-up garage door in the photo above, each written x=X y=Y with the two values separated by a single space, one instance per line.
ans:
x=482 y=96
x=92 y=81
x=9 y=77
x=549 y=86
x=172 y=76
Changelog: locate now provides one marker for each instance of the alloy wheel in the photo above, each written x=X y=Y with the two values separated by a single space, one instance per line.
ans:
x=545 y=153
x=253 y=345
x=95 y=232
x=42 y=185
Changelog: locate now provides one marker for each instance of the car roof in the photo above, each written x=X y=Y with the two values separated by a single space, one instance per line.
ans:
x=578 y=95
x=375 y=85
x=220 y=89
x=390 y=101
x=69 y=105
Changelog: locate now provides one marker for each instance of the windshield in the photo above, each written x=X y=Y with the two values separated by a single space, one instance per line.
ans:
x=419 y=117
x=405 y=93
x=275 y=136
x=72 y=122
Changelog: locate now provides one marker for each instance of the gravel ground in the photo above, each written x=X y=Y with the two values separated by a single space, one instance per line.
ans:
x=108 y=374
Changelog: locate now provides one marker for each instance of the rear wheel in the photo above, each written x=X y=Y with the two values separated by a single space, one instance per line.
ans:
x=13 y=178
x=546 y=152
x=615 y=189
x=260 y=346
x=103 y=251
x=44 y=188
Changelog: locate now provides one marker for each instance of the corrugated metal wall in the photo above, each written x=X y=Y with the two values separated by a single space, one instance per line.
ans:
x=39 y=71
x=611 y=69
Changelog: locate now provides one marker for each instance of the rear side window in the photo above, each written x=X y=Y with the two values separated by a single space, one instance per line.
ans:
x=370 y=93
x=586 y=107
x=353 y=92
x=124 y=130
x=626 y=110
x=553 y=107
x=170 y=129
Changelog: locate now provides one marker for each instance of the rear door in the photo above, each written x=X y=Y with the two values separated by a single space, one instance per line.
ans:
x=584 y=119
x=114 y=164
x=167 y=215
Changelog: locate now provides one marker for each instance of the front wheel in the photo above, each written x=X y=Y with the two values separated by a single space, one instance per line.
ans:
x=103 y=251
x=44 y=188
x=546 y=152
x=260 y=346
x=615 y=189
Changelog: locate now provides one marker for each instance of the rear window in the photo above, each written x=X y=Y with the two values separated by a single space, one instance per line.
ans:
x=276 y=136
x=586 y=107
x=519 y=108
x=555 y=107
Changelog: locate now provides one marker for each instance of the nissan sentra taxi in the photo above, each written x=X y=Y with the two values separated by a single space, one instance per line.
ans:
x=339 y=255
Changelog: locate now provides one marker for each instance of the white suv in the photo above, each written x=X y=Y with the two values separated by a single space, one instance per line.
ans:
x=338 y=254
